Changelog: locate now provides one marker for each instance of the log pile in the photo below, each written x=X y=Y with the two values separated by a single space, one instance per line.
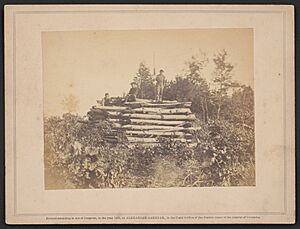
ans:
x=145 y=121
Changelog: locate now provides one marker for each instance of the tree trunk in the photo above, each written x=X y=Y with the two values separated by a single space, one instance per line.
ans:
x=203 y=111
x=218 y=111
x=206 y=111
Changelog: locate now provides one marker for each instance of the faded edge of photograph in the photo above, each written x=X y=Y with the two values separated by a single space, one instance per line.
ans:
x=148 y=108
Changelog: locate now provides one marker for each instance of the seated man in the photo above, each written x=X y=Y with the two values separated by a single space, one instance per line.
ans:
x=131 y=97
x=106 y=101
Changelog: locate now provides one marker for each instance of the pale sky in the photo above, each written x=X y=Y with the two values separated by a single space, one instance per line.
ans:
x=87 y=64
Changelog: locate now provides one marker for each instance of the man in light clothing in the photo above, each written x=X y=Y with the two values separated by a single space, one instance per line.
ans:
x=160 y=83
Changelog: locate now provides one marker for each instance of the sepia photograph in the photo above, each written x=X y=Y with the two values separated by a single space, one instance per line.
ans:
x=149 y=114
x=148 y=108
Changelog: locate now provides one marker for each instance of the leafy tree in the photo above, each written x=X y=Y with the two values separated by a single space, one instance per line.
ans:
x=145 y=81
x=242 y=107
x=201 y=93
x=191 y=86
x=195 y=66
x=223 y=79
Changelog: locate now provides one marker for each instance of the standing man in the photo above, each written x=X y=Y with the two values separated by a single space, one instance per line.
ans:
x=160 y=83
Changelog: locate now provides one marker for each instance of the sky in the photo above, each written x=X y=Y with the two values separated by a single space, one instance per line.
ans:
x=86 y=64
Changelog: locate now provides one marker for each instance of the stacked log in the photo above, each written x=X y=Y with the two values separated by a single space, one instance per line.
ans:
x=146 y=121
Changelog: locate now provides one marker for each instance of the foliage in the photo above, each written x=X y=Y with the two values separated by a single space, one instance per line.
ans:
x=223 y=156
x=242 y=103
x=223 y=79
x=145 y=82
x=191 y=86
x=195 y=66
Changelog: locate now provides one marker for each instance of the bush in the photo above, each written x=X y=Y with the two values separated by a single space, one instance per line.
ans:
x=78 y=156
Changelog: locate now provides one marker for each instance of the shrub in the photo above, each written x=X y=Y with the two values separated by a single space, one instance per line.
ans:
x=77 y=153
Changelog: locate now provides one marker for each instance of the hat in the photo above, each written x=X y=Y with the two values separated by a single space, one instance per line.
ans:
x=133 y=83
x=161 y=70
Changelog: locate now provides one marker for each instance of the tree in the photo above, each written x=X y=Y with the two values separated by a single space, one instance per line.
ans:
x=145 y=81
x=242 y=107
x=195 y=66
x=192 y=86
x=201 y=89
x=222 y=78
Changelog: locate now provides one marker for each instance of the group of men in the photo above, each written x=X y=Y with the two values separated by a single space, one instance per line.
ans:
x=132 y=94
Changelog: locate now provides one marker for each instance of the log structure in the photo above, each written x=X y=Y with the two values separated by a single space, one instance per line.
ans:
x=145 y=121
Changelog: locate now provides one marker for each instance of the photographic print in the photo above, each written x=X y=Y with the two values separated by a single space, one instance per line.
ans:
x=148 y=108
x=149 y=114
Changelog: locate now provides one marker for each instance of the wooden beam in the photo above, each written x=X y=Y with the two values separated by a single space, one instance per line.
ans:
x=96 y=118
x=112 y=140
x=153 y=144
x=155 y=127
x=116 y=125
x=152 y=140
x=109 y=108
x=151 y=122
x=104 y=112
x=189 y=117
x=153 y=101
x=159 y=122
x=170 y=105
x=157 y=133
x=158 y=110
x=146 y=144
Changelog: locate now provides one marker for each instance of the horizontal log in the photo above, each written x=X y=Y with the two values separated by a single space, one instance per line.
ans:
x=145 y=110
x=169 y=105
x=154 y=101
x=94 y=115
x=146 y=144
x=161 y=117
x=96 y=119
x=144 y=101
x=109 y=108
x=151 y=122
x=104 y=112
x=153 y=144
x=155 y=127
x=112 y=135
x=112 y=140
x=113 y=113
x=116 y=125
x=159 y=122
x=158 y=110
x=158 y=133
x=152 y=140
